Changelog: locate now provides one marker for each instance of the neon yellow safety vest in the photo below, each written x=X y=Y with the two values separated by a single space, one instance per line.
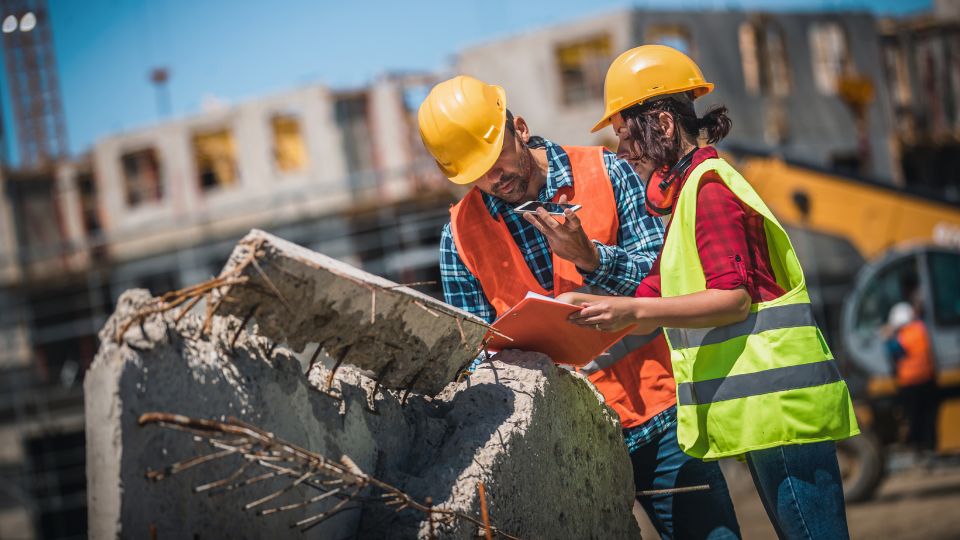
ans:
x=767 y=381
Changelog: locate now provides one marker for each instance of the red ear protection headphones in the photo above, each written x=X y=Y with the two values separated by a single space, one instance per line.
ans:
x=663 y=185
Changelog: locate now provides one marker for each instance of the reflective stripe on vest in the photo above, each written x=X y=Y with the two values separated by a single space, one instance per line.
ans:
x=766 y=381
x=619 y=350
x=771 y=318
x=758 y=383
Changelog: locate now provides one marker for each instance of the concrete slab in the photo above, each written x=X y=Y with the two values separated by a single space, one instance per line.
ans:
x=399 y=336
x=539 y=437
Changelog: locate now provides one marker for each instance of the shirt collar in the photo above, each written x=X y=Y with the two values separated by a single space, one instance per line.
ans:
x=699 y=156
x=558 y=175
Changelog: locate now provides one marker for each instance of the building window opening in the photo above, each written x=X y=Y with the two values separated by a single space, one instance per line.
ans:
x=424 y=173
x=750 y=58
x=351 y=112
x=764 y=58
x=215 y=156
x=141 y=177
x=40 y=231
x=56 y=472
x=671 y=35
x=289 y=150
x=90 y=212
x=830 y=56
x=583 y=66
x=899 y=82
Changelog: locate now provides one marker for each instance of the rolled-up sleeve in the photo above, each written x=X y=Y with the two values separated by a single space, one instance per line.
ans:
x=721 y=237
x=639 y=237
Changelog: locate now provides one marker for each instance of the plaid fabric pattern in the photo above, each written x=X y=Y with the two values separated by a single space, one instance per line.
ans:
x=621 y=268
x=731 y=241
x=646 y=432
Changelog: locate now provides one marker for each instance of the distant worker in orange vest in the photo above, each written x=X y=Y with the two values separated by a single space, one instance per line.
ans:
x=909 y=349
x=491 y=256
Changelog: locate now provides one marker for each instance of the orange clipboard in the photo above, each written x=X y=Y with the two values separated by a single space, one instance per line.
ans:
x=539 y=323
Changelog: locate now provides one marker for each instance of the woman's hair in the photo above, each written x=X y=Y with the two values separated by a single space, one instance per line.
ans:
x=647 y=137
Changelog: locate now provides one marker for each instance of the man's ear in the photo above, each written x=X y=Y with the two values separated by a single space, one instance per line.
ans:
x=521 y=129
x=666 y=124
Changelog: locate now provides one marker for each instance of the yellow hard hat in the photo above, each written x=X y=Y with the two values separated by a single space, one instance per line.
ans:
x=645 y=72
x=461 y=124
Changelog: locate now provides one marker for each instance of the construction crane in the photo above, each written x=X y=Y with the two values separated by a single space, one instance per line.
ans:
x=34 y=86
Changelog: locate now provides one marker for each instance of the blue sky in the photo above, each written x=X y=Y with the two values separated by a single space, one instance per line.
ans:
x=230 y=50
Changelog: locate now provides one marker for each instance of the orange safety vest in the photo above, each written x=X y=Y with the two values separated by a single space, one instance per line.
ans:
x=916 y=367
x=637 y=382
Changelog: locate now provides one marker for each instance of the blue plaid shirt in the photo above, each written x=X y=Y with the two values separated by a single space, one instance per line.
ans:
x=652 y=429
x=622 y=266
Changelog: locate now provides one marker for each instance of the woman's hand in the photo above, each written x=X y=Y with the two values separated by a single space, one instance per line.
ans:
x=613 y=313
x=577 y=298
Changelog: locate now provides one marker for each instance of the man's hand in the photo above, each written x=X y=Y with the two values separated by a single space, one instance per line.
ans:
x=567 y=240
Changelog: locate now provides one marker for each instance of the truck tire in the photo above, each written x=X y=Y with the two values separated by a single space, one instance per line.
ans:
x=862 y=467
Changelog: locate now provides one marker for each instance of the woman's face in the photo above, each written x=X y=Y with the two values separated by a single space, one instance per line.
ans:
x=627 y=149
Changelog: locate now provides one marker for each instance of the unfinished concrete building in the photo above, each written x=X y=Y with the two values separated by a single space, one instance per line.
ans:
x=161 y=207
x=780 y=74
x=47 y=340
x=922 y=64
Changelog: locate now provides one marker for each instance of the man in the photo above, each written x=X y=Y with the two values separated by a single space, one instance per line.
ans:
x=908 y=346
x=491 y=257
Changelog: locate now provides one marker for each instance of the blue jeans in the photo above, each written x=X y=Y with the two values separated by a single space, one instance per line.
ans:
x=660 y=464
x=801 y=490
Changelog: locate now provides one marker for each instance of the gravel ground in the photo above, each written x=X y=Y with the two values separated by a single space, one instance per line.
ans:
x=911 y=504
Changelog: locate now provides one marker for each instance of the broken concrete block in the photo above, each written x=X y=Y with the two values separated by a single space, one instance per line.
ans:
x=539 y=437
x=401 y=337
x=548 y=450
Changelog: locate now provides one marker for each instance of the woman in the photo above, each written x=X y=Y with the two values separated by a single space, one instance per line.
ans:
x=754 y=376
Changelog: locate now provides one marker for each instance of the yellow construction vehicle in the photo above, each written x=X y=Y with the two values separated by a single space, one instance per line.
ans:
x=860 y=242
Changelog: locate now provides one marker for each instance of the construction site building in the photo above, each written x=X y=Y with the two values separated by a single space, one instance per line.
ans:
x=782 y=75
x=343 y=172
x=160 y=208
x=921 y=58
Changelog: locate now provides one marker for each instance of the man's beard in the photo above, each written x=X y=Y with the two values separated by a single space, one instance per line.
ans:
x=519 y=183
x=520 y=180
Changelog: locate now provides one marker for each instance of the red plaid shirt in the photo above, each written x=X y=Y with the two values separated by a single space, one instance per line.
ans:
x=731 y=241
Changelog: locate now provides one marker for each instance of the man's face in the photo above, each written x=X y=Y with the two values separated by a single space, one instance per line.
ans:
x=510 y=177
x=627 y=149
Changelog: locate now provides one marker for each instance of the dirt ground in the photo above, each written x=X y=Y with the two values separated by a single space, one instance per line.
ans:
x=911 y=504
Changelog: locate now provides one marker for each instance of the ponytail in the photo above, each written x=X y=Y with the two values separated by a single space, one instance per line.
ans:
x=716 y=123
x=648 y=142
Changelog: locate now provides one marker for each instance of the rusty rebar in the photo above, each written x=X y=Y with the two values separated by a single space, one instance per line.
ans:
x=243 y=324
x=313 y=359
x=276 y=291
x=483 y=512
x=673 y=491
x=260 y=448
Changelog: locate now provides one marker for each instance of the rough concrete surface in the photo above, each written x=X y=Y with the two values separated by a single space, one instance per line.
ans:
x=402 y=337
x=539 y=437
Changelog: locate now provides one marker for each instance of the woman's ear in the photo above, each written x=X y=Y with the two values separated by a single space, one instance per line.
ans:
x=666 y=124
